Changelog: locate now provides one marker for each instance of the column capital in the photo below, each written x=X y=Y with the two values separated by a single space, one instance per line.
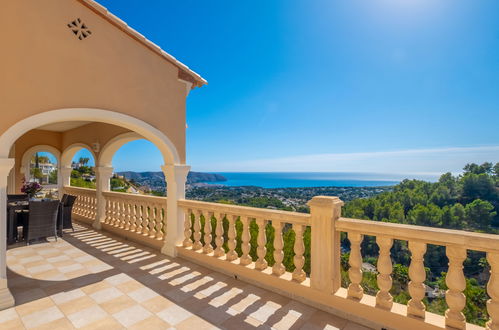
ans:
x=104 y=170
x=179 y=171
x=6 y=164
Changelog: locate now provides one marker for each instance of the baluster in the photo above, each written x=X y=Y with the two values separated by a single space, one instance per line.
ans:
x=456 y=283
x=107 y=219
x=231 y=235
x=128 y=218
x=119 y=222
x=152 y=221
x=133 y=217
x=187 y=229
x=278 y=268
x=207 y=248
x=197 y=231
x=417 y=274
x=383 y=298
x=140 y=218
x=355 y=271
x=159 y=223
x=493 y=291
x=261 y=250
x=219 y=232
x=145 y=219
x=299 y=247
x=112 y=217
x=245 y=242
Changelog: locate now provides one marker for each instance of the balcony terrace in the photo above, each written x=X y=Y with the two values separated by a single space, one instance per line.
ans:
x=98 y=280
x=154 y=262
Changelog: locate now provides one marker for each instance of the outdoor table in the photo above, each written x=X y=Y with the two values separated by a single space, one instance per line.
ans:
x=23 y=206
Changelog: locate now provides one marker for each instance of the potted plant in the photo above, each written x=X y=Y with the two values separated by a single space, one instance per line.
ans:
x=31 y=188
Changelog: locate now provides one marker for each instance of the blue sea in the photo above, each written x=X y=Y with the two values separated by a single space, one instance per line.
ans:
x=308 y=179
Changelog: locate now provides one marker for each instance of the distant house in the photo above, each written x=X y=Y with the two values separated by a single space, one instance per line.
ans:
x=46 y=169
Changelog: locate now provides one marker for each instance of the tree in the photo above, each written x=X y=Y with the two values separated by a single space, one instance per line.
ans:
x=480 y=213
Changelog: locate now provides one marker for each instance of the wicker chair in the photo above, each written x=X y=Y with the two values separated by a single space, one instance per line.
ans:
x=42 y=220
x=67 y=209
x=17 y=198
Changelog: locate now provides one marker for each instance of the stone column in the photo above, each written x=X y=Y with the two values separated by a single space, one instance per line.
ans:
x=176 y=177
x=6 y=299
x=103 y=176
x=325 y=243
x=64 y=177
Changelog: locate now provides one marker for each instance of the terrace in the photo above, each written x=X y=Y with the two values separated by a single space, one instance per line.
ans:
x=167 y=261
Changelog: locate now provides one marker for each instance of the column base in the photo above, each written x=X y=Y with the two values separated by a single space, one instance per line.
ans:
x=170 y=250
x=6 y=299
x=97 y=225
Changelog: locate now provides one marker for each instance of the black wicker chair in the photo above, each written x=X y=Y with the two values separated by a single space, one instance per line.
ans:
x=17 y=198
x=42 y=220
x=67 y=209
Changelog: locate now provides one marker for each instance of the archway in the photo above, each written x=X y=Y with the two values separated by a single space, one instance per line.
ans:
x=165 y=145
x=42 y=164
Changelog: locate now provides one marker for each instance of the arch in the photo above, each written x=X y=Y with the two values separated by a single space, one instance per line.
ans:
x=26 y=158
x=164 y=144
x=113 y=145
x=69 y=153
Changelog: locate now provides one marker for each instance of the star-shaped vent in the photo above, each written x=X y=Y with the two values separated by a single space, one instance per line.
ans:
x=79 y=29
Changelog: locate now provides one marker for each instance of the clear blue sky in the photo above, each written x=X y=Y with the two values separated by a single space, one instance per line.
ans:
x=328 y=85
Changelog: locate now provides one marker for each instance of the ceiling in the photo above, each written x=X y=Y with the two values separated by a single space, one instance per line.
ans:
x=64 y=126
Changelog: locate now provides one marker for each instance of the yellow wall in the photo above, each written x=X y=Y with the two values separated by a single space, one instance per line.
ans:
x=45 y=67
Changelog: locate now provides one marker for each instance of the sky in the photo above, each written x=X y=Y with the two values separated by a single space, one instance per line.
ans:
x=403 y=86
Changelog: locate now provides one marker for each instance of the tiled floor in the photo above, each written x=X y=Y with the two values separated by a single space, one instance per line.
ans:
x=92 y=280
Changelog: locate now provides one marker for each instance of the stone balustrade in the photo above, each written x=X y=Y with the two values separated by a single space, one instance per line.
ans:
x=85 y=206
x=258 y=245
x=235 y=240
x=138 y=217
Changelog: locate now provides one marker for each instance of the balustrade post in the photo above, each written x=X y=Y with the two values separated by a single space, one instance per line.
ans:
x=219 y=232
x=455 y=298
x=231 y=235
x=176 y=176
x=103 y=176
x=493 y=291
x=355 y=291
x=6 y=298
x=261 y=242
x=245 y=242
x=278 y=268
x=325 y=243
x=383 y=298
x=417 y=275
x=299 y=274
x=207 y=248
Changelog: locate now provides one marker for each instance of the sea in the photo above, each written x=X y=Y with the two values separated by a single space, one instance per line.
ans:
x=311 y=179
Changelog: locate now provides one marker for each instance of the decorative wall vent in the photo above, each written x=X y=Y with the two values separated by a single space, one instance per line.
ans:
x=79 y=29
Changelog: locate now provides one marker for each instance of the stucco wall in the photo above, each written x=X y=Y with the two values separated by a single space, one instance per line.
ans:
x=45 y=67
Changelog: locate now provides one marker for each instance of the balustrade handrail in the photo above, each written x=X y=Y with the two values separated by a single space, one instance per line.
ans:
x=137 y=197
x=251 y=212
x=83 y=190
x=437 y=236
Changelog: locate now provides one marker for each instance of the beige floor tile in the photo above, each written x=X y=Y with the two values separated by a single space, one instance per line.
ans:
x=354 y=326
x=41 y=317
x=34 y=306
x=76 y=305
x=14 y=324
x=142 y=294
x=87 y=316
x=152 y=322
x=60 y=324
x=91 y=288
x=157 y=304
x=132 y=315
x=194 y=322
x=8 y=315
x=174 y=315
x=118 y=304
x=64 y=297
x=107 y=323
x=106 y=295
x=129 y=286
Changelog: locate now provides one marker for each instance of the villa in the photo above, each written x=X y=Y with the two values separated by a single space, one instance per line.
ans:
x=75 y=76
